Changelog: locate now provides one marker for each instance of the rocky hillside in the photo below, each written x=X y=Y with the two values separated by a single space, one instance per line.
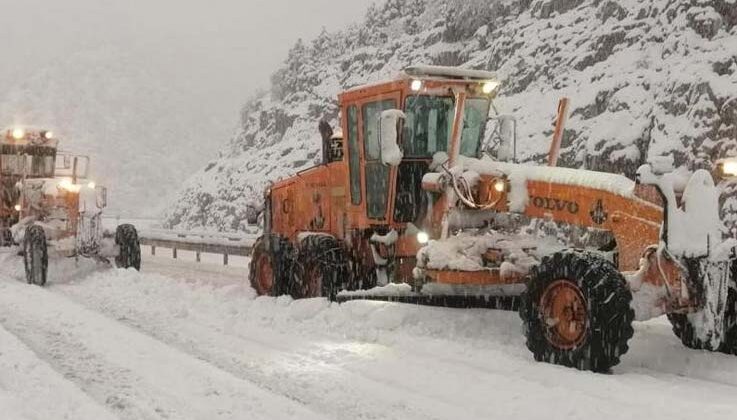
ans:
x=646 y=77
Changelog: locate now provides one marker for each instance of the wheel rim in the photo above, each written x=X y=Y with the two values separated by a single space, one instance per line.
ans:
x=313 y=281
x=564 y=314
x=264 y=275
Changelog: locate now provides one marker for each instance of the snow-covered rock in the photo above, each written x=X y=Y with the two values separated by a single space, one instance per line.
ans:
x=646 y=78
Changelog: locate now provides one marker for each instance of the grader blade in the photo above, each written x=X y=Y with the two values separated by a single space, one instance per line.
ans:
x=507 y=303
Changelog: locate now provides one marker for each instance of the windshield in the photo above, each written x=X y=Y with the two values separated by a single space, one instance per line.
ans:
x=31 y=166
x=429 y=125
x=474 y=122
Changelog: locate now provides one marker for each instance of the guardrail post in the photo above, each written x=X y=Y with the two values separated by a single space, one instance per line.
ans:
x=153 y=249
x=197 y=255
x=225 y=259
x=174 y=253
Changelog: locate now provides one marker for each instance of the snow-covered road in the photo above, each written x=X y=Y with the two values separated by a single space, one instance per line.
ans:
x=187 y=341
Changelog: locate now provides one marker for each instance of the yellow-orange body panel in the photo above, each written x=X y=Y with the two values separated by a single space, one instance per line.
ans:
x=634 y=222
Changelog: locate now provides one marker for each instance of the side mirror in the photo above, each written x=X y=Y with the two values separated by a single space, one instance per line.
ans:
x=101 y=197
x=389 y=128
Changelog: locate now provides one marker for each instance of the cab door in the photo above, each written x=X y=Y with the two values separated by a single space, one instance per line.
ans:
x=377 y=179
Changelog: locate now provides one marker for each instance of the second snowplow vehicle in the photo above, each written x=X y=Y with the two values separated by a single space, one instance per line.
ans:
x=50 y=208
x=404 y=207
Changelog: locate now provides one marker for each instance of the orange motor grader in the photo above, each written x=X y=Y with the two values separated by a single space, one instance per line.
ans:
x=50 y=208
x=404 y=207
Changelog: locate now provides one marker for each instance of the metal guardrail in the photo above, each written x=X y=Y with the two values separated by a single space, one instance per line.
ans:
x=227 y=244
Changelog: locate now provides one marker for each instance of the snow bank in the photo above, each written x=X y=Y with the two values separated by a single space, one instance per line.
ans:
x=342 y=360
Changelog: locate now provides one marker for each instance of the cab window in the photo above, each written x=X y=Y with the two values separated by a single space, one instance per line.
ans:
x=376 y=173
x=474 y=123
x=428 y=126
x=354 y=160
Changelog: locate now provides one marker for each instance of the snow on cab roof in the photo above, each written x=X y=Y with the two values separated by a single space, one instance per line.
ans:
x=436 y=72
x=449 y=72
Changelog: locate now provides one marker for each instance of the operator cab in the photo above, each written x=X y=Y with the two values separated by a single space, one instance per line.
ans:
x=443 y=110
x=27 y=153
x=24 y=154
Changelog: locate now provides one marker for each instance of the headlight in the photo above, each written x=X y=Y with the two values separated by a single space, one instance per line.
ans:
x=416 y=85
x=19 y=133
x=500 y=186
x=48 y=135
x=489 y=87
x=17 y=207
x=729 y=168
x=91 y=185
x=66 y=184
x=423 y=238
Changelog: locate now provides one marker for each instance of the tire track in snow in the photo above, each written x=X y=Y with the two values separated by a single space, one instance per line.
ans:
x=292 y=369
x=134 y=375
x=31 y=389
x=429 y=378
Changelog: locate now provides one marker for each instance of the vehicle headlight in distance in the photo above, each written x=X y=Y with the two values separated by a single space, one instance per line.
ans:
x=489 y=87
x=19 y=133
x=423 y=237
x=67 y=185
x=729 y=167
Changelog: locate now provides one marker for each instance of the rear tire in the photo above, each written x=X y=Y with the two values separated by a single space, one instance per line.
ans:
x=271 y=266
x=323 y=268
x=577 y=312
x=35 y=255
x=684 y=329
x=6 y=237
x=729 y=346
x=683 y=325
x=129 y=255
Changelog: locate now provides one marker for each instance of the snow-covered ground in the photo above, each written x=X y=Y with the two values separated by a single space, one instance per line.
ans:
x=186 y=341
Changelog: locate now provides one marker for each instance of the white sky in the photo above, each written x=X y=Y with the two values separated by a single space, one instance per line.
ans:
x=224 y=48
x=100 y=71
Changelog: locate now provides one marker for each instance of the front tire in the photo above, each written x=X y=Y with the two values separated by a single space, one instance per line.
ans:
x=270 y=268
x=129 y=254
x=35 y=255
x=577 y=312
